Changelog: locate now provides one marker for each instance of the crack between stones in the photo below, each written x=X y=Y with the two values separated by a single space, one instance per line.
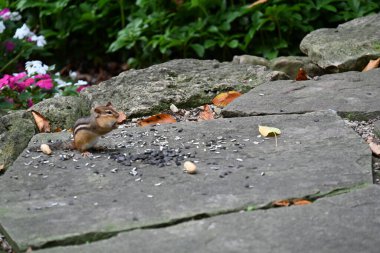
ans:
x=351 y=115
x=228 y=115
x=98 y=236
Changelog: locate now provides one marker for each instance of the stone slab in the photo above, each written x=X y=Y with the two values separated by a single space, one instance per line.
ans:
x=347 y=93
x=348 y=47
x=62 y=199
x=346 y=223
x=187 y=83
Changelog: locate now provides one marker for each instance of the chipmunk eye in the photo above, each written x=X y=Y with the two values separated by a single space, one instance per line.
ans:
x=109 y=112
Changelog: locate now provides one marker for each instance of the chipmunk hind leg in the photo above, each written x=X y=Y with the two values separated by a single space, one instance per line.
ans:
x=85 y=140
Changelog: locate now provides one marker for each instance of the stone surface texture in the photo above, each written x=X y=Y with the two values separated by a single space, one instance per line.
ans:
x=344 y=223
x=348 y=47
x=185 y=83
x=291 y=64
x=62 y=112
x=16 y=130
x=74 y=197
x=353 y=94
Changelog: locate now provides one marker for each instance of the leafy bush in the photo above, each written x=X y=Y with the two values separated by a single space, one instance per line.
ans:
x=144 y=32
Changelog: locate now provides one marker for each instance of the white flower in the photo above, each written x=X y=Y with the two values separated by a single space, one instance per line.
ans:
x=35 y=67
x=81 y=82
x=15 y=16
x=23 y=32
x=73 y=75
x=62 y=83
x=2 y=27
x=40 y=40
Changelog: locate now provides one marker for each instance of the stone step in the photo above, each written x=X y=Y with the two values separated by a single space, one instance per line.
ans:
x=65 y=198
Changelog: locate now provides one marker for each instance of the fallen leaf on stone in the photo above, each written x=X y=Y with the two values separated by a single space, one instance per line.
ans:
x=42 y=123
x=223 y=99
x=301 y=202
x=269 y=131
x=122 y=118
x=256 y=3
x=301 y=75
x=375 y=148
x=281 y=203
x=206 y=114
x=2 y=166
x=158 y=118
x=372 y=65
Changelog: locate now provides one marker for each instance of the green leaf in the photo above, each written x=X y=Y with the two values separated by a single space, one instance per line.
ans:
x=199 y=49
x=329 y=8
x=209 y=43
x=233 y=44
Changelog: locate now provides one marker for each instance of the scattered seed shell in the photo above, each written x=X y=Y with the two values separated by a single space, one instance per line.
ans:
x=45 y=149
x=190 y=167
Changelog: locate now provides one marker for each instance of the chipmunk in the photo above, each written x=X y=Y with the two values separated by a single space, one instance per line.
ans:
x=86 y=131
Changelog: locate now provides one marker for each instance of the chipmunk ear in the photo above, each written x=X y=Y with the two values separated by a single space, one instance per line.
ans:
x=109 y=104
x=97 y=112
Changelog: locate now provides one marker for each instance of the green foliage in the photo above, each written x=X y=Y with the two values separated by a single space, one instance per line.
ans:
x=144 y=32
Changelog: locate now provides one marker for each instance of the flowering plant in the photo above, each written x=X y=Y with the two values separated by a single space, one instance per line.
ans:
x=16 y=40
x=33 y=82
x=22 y=90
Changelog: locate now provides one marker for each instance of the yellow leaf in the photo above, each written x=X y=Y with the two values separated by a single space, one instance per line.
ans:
x=269 y=131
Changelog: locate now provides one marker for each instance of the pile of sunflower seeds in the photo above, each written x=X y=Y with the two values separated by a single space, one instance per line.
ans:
x=159 y=157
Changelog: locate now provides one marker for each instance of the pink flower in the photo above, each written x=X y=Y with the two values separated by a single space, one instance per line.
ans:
x=82 y=87
x=42 y=76
x=24 y=84
x=5 y=81
x=9 y=46
x=5 y=13
x=19 y=76
x=46 y=84
x=30 y=103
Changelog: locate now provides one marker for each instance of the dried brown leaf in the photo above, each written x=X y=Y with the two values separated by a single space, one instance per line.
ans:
x=283 y=202
x=301 y=202
x=162 y=118
x=301 y=75
x=122 y=118
x=207 y=113
x=375 y=148
x=42 y=123
x=372 y=65
x=223 y=99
